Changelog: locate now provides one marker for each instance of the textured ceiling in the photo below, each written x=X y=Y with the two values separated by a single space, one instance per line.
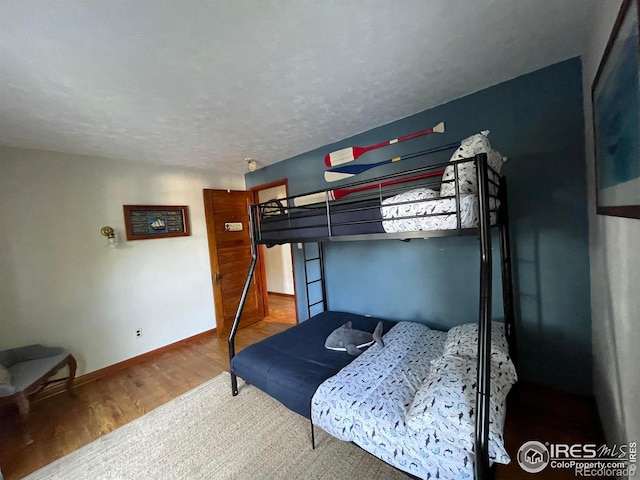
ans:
x=206 y=84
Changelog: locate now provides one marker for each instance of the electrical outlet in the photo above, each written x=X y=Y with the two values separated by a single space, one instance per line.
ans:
x=139 y=332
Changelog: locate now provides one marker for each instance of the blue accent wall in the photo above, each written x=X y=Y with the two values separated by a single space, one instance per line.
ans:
x=536 y=120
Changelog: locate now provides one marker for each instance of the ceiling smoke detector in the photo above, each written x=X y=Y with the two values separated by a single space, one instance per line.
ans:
x=251 y=162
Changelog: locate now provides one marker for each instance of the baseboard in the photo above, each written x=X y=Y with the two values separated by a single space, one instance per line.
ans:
x=117 y=367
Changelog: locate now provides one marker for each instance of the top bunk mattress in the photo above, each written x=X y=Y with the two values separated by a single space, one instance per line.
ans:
x=291 y=365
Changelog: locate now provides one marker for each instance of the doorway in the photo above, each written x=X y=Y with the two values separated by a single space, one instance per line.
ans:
x=279 y=272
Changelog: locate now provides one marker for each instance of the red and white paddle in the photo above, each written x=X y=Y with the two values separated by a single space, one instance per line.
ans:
x=339 y=193
x=349 y=154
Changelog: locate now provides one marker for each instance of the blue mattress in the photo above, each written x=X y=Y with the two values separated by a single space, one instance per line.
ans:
x=291 y=365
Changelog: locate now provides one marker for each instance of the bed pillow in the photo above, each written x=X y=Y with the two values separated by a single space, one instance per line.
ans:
x=402 y=216
x=462 y=341
x=444 y=407
x=467 y=178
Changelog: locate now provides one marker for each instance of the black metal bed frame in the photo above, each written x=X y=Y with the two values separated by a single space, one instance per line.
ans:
x=486 y=176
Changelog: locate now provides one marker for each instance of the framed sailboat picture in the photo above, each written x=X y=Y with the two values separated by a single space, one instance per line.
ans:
x=156 y=221
x=616 y=119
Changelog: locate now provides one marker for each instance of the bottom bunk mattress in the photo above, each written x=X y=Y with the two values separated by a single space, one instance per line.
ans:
x=291 y=365
x=412 y=402
x=375 y=392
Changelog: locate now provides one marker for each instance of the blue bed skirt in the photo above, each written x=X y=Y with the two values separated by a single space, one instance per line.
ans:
x=291 y=365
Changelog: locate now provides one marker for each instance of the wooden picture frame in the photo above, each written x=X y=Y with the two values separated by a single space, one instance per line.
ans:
x=143 y=222
x=615 y=96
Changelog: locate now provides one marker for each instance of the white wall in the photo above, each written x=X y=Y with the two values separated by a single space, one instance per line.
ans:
x=615 y=276
x=60 y=285
x=277 y=259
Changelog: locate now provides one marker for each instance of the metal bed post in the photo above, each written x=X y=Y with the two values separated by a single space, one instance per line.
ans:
x=484 y=325
x=507 y=278
x=456 y=184
x=243 y=298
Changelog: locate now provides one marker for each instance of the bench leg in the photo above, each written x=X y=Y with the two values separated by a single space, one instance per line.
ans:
x=24 y=409
x=73 y=365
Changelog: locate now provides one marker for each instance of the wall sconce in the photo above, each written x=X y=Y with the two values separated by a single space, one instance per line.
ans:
x=110 y=233
x=252 y=164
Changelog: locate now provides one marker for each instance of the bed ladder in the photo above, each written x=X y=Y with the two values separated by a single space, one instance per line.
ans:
x=317 y=258
x=308 y=264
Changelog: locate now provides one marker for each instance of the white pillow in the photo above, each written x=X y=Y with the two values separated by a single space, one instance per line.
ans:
x=462 y=341
x=444 y=407
x=467 y=178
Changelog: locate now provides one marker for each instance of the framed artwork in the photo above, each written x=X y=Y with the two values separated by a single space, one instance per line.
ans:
x=156 y=221
x=616 y=119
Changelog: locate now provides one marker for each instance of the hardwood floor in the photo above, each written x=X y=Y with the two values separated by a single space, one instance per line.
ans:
x=63 y=423
x=547 y=415
x=282 y=309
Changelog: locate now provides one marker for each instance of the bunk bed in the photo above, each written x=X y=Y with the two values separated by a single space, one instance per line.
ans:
x=465 y=196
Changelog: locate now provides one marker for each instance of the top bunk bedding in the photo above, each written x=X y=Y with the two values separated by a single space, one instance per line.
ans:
x=417 y=210
x=434 y=200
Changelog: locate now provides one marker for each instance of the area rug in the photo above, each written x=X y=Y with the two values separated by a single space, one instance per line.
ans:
x=209 y=434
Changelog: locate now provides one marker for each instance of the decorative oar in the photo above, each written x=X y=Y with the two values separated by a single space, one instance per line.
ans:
x=349 y=154
x=348 y=171
x=339 y=193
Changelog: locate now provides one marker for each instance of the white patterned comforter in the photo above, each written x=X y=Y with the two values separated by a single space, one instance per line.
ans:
x=400 y=216
x=366 y=403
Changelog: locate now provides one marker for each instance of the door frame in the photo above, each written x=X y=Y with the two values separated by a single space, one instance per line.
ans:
x=261 y=256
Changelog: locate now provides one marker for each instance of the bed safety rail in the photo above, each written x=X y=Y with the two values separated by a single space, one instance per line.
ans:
x=401 y=205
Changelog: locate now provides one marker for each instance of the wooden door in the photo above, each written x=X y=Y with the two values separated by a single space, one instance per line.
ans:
x=230 y=257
